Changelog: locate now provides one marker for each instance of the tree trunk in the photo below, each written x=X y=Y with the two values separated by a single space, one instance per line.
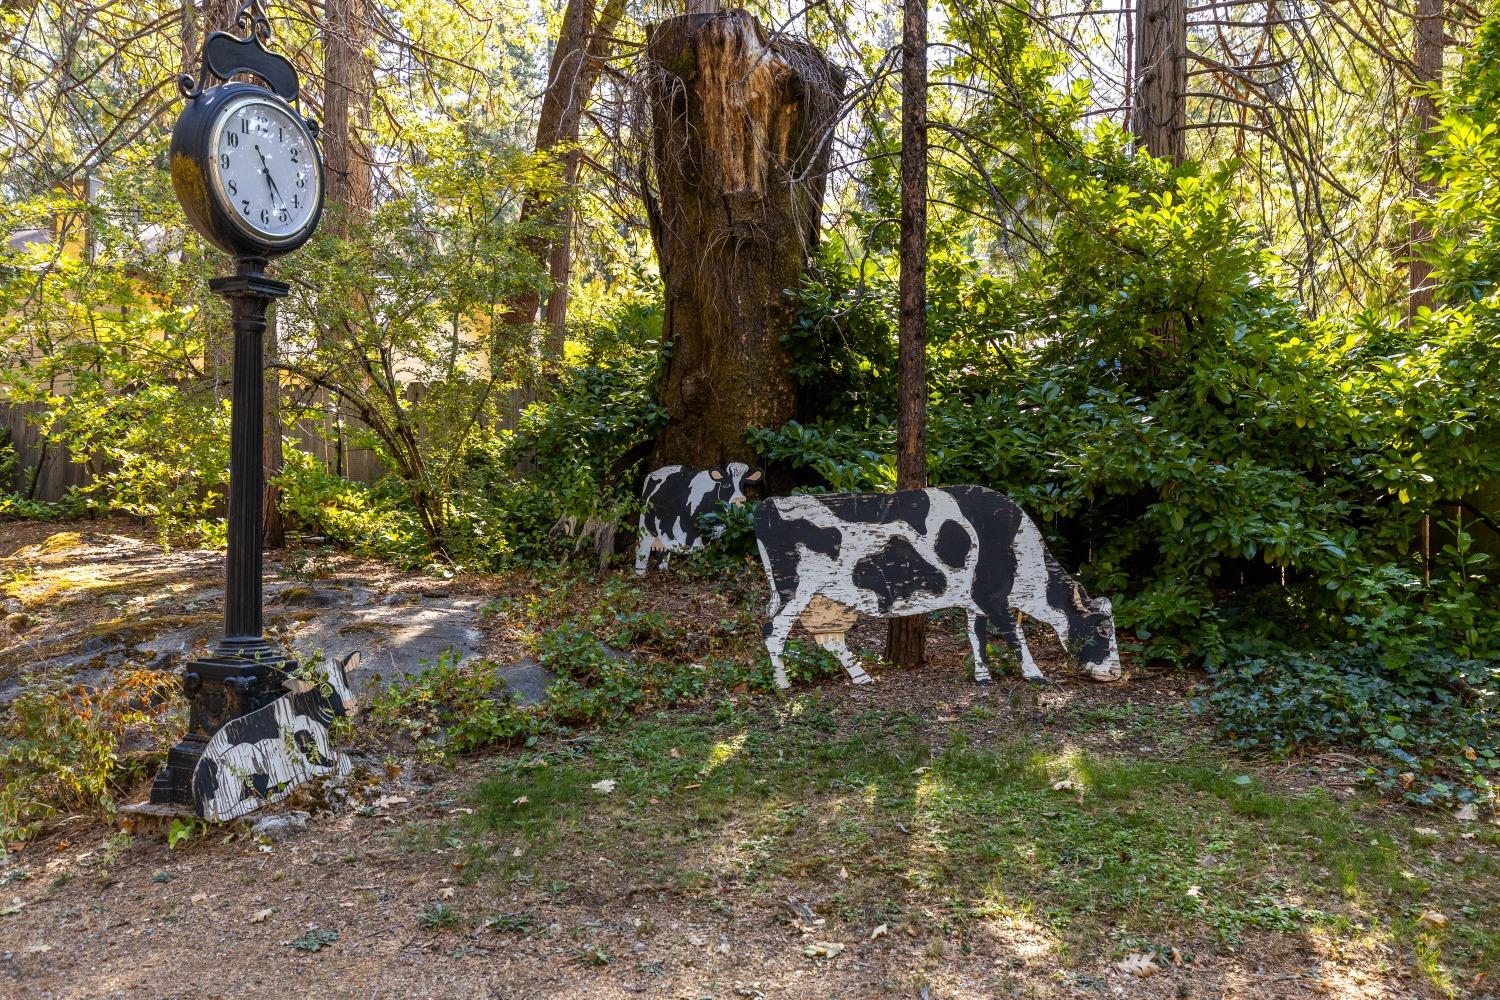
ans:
x=1428 y=61
x=906 y=638
x=348 y=89
x=740 y=126
x=274 y=534
x=582 y=46
x=218 y=338
x=1158 y=108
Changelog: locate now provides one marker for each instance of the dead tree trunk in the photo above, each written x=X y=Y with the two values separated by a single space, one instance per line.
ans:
x=1428 y=63
x=348 y=89
x=1158 y=108
x=906 y=638
x=740 y=125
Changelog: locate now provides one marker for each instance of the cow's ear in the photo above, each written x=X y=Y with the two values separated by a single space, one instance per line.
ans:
x=715 y=475
x=754 y=476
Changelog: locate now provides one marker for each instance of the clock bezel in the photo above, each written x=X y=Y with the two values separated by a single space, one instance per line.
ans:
x=220 y=122
x=194 y=165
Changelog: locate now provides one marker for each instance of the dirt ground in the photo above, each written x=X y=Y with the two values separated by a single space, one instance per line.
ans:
x=354 y=906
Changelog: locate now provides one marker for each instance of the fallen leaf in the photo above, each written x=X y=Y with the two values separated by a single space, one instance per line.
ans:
x=446 y=893
x=15 y=907
x=604 y=787
x=880 y=932
x=518 y=852
x=674 y=753
x=843 y=872
x=198 y=897
x=823 y=949
x=259 y=916
x=35 y=949
x=519 y=800
x=1195 y=891
x=1426 y=831
x=1138 y=964
x=1065 y=786
x=1432 y=918
x=1466 y=813
x=389 y=800
x=1469 y=754
x=1406 y=778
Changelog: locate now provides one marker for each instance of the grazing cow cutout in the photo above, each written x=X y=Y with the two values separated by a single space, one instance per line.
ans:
x=675 y=495
x=260 y=757
x=836 y=557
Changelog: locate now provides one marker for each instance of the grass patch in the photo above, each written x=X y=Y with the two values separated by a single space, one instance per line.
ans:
x=1187 y=852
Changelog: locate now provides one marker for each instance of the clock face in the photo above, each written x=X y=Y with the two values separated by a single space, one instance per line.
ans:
x=265 y=168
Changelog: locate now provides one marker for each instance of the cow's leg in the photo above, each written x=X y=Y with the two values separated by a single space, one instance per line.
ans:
x=779 y=629
x=834 y=643
x=643 y=552
x=976 y=643
x=1011 y=631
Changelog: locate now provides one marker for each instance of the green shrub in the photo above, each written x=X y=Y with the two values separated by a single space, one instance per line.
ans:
x=59 y=749
x=371 y=520
x=1435 y=724
x=454 y=707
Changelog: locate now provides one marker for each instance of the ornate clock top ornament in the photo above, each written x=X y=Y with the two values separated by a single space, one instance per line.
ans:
x=224 y=56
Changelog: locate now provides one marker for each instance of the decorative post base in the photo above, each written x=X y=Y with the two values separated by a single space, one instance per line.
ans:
x=222 y=686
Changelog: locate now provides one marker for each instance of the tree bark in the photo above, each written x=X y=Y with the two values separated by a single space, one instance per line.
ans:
x=273 y=535
x=348 y=89
x=582 y=46
x=906 y=637
x=740 y=124
x=218 y=338
x=1158 y=109
x=1428 y=60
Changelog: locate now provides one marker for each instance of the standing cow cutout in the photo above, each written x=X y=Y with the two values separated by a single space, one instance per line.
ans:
x=836 y=557
x=260 y=757
x=675 y=496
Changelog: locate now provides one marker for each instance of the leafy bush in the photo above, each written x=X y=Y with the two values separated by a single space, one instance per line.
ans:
x=454 y=707
x=60 y=748
x=372 y=520
x=1436 y=723
x=1211 y=457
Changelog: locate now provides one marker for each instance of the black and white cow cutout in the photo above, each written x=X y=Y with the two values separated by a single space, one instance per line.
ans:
x=260 y=757
x=675 y=496
x=836 y=557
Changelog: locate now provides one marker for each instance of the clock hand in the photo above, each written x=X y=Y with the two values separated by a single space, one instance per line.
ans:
x=266 y=169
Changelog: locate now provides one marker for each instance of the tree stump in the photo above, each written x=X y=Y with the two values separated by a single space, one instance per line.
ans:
x=740 y=129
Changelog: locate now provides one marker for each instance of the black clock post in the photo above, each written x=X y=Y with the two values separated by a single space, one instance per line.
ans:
x=242 y=672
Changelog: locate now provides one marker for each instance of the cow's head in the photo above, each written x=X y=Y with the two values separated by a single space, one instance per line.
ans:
x=339 y=679
x=1098 y=653
x=731 y=481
